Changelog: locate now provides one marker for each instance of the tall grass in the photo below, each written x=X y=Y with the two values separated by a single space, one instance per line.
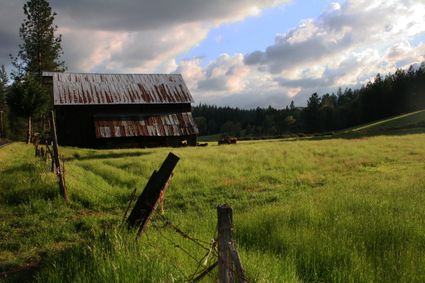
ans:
x=339 y=210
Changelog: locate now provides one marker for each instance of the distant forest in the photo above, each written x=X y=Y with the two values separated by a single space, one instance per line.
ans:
x=401 y=92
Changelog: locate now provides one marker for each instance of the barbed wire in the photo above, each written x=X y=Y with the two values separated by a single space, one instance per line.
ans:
x=210 y=247
x=198 y=273
x=178 y=230
x=164 y=255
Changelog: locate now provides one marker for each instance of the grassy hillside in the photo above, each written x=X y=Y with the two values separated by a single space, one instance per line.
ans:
x=409 y=123
x=339 y=210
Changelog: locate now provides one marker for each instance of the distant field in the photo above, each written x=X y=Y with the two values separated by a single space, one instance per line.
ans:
x=334 y=210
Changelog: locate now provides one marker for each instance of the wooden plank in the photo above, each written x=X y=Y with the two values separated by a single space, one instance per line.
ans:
x=225 y=274
x=59 y=172
x=148 y=200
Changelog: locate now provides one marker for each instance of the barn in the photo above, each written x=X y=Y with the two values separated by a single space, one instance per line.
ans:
x=121 y=110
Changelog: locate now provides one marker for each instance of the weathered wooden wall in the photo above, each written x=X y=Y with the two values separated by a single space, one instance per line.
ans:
x=75 y=125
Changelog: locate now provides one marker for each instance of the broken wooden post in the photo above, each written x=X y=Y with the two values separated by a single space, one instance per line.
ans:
x=59 y=172
x=225 y=274
x=148 y=200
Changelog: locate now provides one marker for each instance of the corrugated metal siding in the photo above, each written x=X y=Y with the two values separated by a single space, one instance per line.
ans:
x=79 y=88
x=179 y=124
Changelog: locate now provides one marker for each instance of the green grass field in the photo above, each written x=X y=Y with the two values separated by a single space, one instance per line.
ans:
x=332 y=210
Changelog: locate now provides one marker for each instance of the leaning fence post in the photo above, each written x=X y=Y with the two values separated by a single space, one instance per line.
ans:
x=148 y=200
x=59 y=172
x=224 y=227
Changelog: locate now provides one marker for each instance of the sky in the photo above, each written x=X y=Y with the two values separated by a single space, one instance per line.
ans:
x=240 y=53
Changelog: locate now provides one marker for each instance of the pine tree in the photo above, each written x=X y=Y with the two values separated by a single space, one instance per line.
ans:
x=312 y=113
x=27 y=98
x=41 y=49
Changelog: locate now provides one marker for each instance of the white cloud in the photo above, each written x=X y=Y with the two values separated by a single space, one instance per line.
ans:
x=345 y=46
x=228 y=81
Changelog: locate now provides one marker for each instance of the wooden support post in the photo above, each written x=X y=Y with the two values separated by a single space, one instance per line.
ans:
x=63 y=171
x=2 y=135
x=36 y=142
x=51 y=156
x=148 y=200
x=57 y=165
x=225 y=219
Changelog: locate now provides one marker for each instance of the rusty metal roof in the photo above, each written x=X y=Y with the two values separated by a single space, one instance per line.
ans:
x=178 y=124
x=80 y=88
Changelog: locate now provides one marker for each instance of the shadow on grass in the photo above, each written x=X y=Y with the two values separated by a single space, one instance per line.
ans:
x=24 y=273
x=110 y=155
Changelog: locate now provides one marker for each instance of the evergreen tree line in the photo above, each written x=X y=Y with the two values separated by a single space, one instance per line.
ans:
x=397 y=93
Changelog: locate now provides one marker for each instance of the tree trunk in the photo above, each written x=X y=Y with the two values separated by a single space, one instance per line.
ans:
x=29 y=130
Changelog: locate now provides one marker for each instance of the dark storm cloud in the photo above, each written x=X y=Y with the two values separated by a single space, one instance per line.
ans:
x=214 y=84
x=249 y=100
x=306 y=82
x=9 y=43
x=148 y=14
x=284 y=54
x=11 y=16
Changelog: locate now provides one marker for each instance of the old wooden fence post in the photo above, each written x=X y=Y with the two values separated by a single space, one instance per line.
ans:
x=225 y=219
x=229 y=264
x=148 y=200
x=59 y=172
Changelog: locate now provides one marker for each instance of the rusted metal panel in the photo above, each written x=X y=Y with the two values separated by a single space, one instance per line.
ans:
x=80 y=88
x=179 y=124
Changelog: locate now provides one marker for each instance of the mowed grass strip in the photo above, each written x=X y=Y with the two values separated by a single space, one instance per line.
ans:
x=336 y=210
